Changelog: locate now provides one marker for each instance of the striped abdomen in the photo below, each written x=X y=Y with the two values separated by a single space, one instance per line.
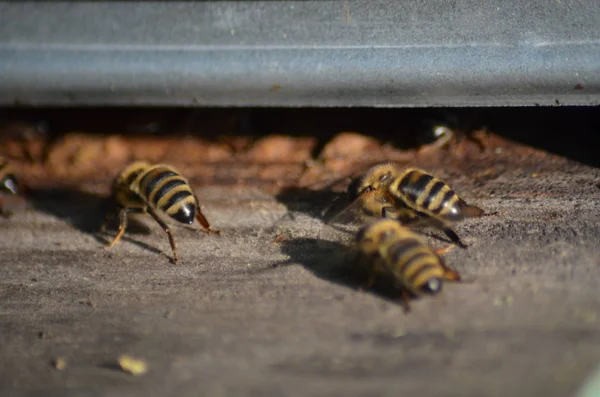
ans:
x=166 y=190
x=415 y=265
x=8 y=182
x=426 y=193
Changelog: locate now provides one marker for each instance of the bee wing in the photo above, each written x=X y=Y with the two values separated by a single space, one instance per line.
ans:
x=336 y=209
x=338 y=233
x=343 y=230
x=343 y=208
x=341 y=220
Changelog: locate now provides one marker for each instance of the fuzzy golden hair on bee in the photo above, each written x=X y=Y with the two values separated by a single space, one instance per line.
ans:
x=152 y=188
x=412 y=196
x=386 y=248
x=376 y=178
x=366 y=193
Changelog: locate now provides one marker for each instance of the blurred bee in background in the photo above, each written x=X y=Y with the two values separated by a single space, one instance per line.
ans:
x=143 y=187
x=436 y=135
x=8 y=183
x=386 y=248
x=411 y=196
x=450 y=130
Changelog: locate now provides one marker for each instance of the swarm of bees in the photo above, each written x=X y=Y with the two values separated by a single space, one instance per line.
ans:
x=8 y=182
x=403 y=200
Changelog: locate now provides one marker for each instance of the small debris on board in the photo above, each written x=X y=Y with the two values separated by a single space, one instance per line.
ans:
x=59 y=363
x=502 y=301
x=279 y=238
x=45 y=334
x=132 y=365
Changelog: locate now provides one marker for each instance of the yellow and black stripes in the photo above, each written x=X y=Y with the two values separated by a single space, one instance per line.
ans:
x=414 y=264
x=166 y=190
x=124 y=194
x=388 y=248
x=143 y=187
x=428 y=194
x=8 y=181
x=411 y=196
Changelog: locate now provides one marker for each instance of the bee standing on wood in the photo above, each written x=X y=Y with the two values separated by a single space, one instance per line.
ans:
x=411 y=196
x=387 y=248
x=143 y=187
x=8 y=182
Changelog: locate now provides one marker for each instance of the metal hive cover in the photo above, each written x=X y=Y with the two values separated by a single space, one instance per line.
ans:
x=296 y=53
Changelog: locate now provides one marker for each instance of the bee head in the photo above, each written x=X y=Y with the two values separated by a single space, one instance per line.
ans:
x=433 y=286
x=380 y=176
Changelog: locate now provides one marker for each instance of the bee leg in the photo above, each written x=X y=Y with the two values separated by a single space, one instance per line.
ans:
x=389 y=212
x=451 y=274
x=105 y=223
x=491 y=213
x=444 y=251
x=202 y=219
x=451 y=234
x=122 y=226
x=2 y=212
x=405 y=300
x=108 y=208
x=453 y=237
x=167 y=230
x=204 y=223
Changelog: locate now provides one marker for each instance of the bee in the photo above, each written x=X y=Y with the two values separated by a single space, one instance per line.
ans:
x=8 y=182
x=143 y=187
x=411 y=196
x=448 y=131
x=387 y=248
x=436 y=135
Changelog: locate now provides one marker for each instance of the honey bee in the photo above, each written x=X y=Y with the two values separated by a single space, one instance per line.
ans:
x=436 y=136
x=411 y=196
x=8 y=182
x=448 y=131
x=389 y=249
x=143 y=187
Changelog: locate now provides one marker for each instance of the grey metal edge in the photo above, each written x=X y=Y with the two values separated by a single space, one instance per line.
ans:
x=301 y=53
